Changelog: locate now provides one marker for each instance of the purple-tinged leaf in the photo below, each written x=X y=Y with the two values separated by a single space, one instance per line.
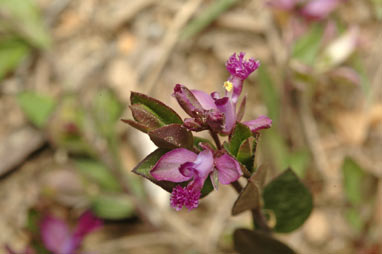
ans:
x=187 y=101
x=56 y=235
x=162 y=111
x=172 y=136
x=145 y=116
x=250 y=196
x=248 y=242
x=136 y=125
x=193 y=124
x=262 y=122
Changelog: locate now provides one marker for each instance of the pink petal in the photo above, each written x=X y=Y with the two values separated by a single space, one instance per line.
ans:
x=262 y=122
x=226 y=106
x=167 y=168
x=319 y=9
x=199 y=169
x=56 y=236
x=204 y=99
x=228 y=169
x=86 y=224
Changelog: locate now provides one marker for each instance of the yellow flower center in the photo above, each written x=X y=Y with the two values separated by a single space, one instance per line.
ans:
x=228 y=86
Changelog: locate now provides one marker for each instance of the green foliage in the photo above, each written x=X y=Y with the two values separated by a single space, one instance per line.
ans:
x=199 y=140
x=37 y=107
x=97 y=172
x=24 y=19
x=307 y=46
x=250 y=242
x=107 y=111
x=240 y=133
x=12 y=52
x=353 y=179
x=290 y=201
x=206 y=17
x=112 y=207
x=269 y=94
x=161 y=111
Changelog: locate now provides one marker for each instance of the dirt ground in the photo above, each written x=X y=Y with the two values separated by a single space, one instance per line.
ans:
x=127 y=45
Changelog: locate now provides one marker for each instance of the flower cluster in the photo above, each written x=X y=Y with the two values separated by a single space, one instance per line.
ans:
x=188 y=166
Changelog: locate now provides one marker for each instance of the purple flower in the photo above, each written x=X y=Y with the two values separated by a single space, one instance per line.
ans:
x=58 y=238
x=181 y=165
x=240 y=69
x=319 y=9
x=262 y=122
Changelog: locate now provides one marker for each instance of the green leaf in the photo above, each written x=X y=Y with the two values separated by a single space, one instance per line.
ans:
x=290 y=201
x=269 y=95
x=240 y=133
x=353 y=179
x=163 y=112
x=206 y=17
x=12 y=52
x=98 y=172
x=112 y=207
x=23 y=17
x=306 y=47
x=172 y=136
x=246 y=153
x=353 y=216
x=249 y=242
x=37 y=107
x=198 y=140
x=107 y=111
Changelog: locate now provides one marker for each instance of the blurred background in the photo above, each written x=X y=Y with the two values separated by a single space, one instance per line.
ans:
x=66 y=71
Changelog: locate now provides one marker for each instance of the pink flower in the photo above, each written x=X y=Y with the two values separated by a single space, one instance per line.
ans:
x=181 y=165
x=59 y=239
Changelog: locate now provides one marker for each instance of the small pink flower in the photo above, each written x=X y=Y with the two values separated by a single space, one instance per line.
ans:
x=58 y=238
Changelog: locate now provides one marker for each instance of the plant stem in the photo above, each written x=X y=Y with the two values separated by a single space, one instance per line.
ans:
x=237 y=186
x=216 y=139
x=260 y=221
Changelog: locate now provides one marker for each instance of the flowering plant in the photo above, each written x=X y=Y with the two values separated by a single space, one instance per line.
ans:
x=190 y=167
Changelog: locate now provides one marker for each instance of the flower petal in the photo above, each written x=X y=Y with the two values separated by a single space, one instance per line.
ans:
x=319 y=9
x=86 y=224
x=56 y=236
x=228 y=169
x=187 y=101
x=199 y=169
x=167 y=168
x=226 y=106
x=262 y=122
x=204 y=99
